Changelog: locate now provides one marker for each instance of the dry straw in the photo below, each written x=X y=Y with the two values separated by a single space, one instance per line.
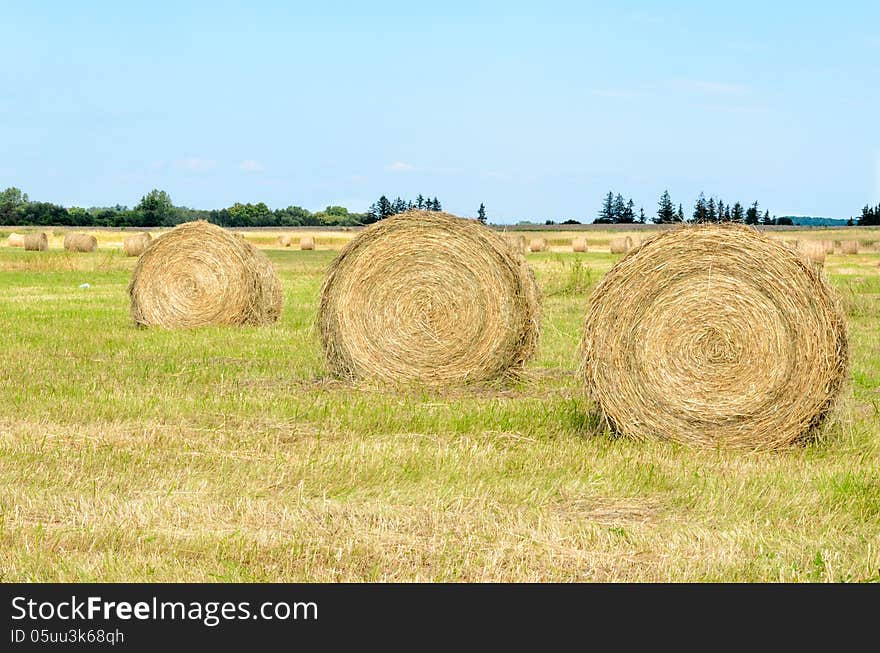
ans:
x=199 y=274
x=135 y=244
x=307 y=242
x=430 y=298
x=828 y=245
x=538 y=245
x=37 y=242
x=792 y=243
x=15 y=240
x=517 y=243
x=849 y=247
x=80 y=243
x=579 y=245
x=715 y=335
x=621 y=245
x=285 y=240
x=814 y=251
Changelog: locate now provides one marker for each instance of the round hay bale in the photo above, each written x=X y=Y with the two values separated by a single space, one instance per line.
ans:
x=792 y=244
x=715 y=335
x=813 y=251
x=828 y=245
x=427 y=297
x=579 y=245
x=37 y=242
x=15 y=240
x=849 y=247
x=285 y=240
x=135 y=244
x=199 y=274
x=621 y=245
x=517 y=243
x=306 y=242
x=538 y=245
x=80 y=243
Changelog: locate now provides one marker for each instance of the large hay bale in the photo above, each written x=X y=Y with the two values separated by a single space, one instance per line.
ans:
x=538 y=245
x=715 y=335
x=36 y=242
x=199 y=274
x=80 y=243
x=579 y=245
x=135 y=244
x=285 y=240
x=427 y=297
x=306 y=242
x=828 y=245
x=15 y=240
x=814 y=251
x=849 y=247
x=621 y=245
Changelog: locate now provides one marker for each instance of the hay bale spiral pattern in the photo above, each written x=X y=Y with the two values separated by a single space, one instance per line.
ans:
x=430 y=298
x=715 y=335
x=199 y=274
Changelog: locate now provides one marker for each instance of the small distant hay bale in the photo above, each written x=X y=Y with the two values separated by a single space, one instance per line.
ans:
x=849 y=247
x=306 y=242
x=80 y=243
x=814 y=251
x=828 y=246
x=579 y=245
x=429 y=298
x=15 y=240
x=621 y=245
x=792 y=244
x=199 y=274
x=715 y=335
x=135 y=244
x=517 y=243
x=538 y=245
x=36 y=242
x=285 y=240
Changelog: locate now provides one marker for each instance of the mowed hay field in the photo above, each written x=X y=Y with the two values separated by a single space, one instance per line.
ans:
x=231 y=454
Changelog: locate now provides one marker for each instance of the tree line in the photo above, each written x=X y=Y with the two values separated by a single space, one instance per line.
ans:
x=615 y=210
x=870 y=216
x=155 y=209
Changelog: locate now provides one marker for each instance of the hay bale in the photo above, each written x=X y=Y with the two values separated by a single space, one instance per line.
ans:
x=828 y=245
x=15 y=240
x=813 y=251
x=579 y=245
x=429 y=298
x=200 y=274
x=538 y=245
x=135 y=244
x=36 y=242
x=849 y=247
x=80 y=243
x=621 y=245
x=715 y=335
x=306 y=243
x=517 y=243
x=792 y=244
x=285 y=240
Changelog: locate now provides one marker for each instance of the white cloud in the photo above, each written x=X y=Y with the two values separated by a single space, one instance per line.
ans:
x=400 y=166
x=250 y=164
x=195 y=164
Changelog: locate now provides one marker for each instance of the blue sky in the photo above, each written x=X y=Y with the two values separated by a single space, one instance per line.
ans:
x=536 y=109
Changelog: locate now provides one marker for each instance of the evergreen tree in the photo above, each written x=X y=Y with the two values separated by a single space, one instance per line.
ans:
x=420 y=202
x=385 y=209
x=752 y=214
x=767 y=219
x=399 y=206
x=619 y=208
x=629 y=215
x=435 y=205
x=720 y=211
x=711 y=213
x=481 y=214
x=679 y=217
x=606 y=213
x=665 y=209
x=642 y=215
x=701 y=213
x=739 y=214
x=727 y=213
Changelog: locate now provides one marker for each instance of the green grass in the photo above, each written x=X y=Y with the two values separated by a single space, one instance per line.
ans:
x=232 y=455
